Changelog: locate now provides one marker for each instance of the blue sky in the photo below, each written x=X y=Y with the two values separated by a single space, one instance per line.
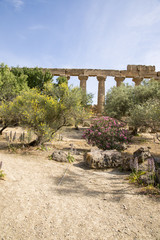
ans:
x=103 y=34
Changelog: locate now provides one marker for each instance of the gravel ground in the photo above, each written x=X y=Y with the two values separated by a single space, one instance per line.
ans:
x=43 y=199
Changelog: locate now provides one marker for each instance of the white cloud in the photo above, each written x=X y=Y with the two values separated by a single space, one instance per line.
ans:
x=146 y=14
x=17 y=3
x=38 y=27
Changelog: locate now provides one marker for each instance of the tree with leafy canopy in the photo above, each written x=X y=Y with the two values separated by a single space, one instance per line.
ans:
x=147 y=115
x=74 y=99
x=10 y=87
x=36 y=77
x=119 y=100
x=60 y=80
x=35 y=111
x=42 y=113
x=133 y=103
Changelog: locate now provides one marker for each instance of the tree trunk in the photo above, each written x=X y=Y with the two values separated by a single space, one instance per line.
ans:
x=4 y=127
x=76 y=127
x=135 y=131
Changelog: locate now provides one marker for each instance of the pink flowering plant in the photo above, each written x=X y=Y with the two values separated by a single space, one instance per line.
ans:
x=107 y=133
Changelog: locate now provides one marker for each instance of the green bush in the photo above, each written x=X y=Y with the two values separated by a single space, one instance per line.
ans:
x=120 y=100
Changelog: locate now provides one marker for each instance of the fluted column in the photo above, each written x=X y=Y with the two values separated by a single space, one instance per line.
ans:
x=83 y=80
x=101 y=93
x=137 y=81
x=119 y=80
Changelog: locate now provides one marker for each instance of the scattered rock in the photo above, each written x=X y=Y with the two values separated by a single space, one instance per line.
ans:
x=147 y=178
x=59 y=156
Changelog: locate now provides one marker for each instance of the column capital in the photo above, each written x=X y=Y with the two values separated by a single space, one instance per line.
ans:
x=119 y=80
x=137 y=81
x=83 y=80
x=101 y=78
x=80 y=77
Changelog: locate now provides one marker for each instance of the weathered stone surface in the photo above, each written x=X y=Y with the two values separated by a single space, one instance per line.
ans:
x=101 y=93
x=152 y=173
x=140 y=68
x=59 y=156
x=103 y=159
x=137 y=81
x=132 y=71
x=137 y=72
x=142 y=154
x=119 y=80
x=158 y=175
x=74 y=72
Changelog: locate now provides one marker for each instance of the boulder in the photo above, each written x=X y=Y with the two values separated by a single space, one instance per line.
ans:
x=97 y=158
x=142 y=154
x=157 y=169
x=59 y=156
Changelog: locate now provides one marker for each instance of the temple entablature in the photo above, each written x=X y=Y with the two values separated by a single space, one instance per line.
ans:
x=136 y=72
x=133 y=71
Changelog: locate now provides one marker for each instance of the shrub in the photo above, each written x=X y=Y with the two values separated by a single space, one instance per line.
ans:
x=119 y=101
x=146 y=114
x=107 y=133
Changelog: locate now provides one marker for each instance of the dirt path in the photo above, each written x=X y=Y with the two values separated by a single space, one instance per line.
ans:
x=86 y=205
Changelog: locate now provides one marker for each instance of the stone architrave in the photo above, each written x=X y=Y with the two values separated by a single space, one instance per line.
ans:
x=137 y=81
x=101 y=93
x=119 y=80
x=83 y=80
x=136 y=72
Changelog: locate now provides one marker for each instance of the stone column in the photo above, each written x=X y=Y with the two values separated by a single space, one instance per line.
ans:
x=119 y=80
x=137 y=81
x=68 y=77
x=83 y=80
x=101 y=93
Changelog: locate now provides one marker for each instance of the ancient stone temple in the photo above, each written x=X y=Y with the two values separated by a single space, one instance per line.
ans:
x=136 y=72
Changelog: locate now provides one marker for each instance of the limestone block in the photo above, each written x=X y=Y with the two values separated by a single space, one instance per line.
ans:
x=57 y=71
x=59 y=156
x=74 y=72
x=132 y=68
x=142 y=154
x=103 y=159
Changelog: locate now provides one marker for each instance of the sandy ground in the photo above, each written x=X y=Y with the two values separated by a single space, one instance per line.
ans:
x=44 y=199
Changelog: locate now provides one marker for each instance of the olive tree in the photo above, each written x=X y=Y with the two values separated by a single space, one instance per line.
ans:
x=119 y=100
x=146 y=114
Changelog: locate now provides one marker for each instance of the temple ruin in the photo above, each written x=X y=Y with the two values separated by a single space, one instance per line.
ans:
x=136 y=72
